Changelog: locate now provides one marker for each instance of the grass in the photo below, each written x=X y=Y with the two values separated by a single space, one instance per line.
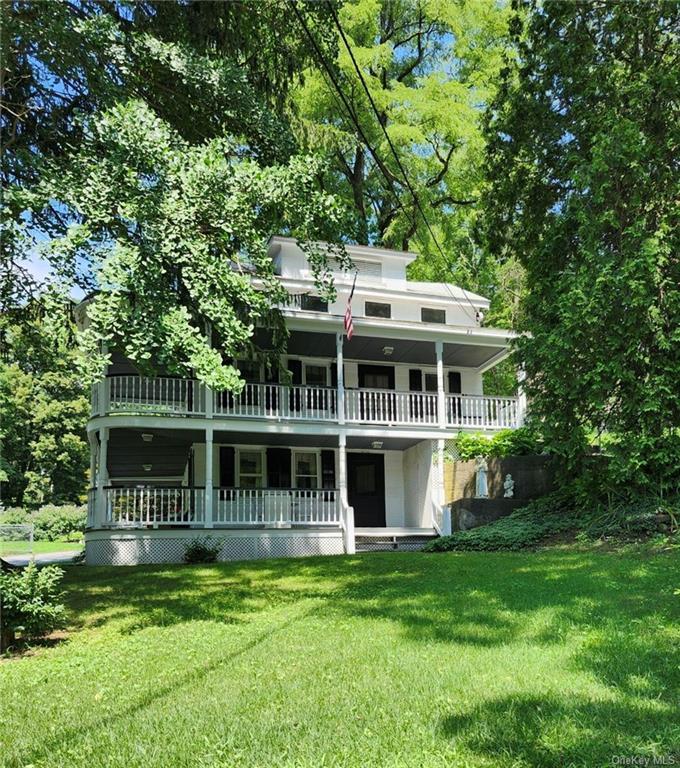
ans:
x=390 y=659
x=8 y=548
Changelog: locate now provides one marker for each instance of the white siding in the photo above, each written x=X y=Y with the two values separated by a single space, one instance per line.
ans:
x=394 y=488
x=418 y=480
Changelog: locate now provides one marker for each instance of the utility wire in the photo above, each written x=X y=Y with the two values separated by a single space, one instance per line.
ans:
x=374 y=107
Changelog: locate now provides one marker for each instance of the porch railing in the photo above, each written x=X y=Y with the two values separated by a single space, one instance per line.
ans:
x=277 y=507
x=482 y=412
x=162 y=395
x=275 y=401
x=154 y=506
x=186 y=397
x=385 y=406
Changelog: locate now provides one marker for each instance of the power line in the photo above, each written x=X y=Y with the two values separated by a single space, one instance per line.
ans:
x=374 y=107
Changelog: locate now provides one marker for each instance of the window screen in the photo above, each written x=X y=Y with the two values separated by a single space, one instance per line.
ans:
x=306 y=470
x=428 y=315
x=250 y=467
x=375 y=309
x=313 y=303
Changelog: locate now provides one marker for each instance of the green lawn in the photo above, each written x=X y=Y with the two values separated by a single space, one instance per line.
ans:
x=544 y=659
x=8 y=548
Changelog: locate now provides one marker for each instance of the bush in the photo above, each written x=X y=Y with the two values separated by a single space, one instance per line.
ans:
x=508 y=442
x=59 y=522
x=557 y=514
x=201 y=551
x=30 y=603
x=50 y=522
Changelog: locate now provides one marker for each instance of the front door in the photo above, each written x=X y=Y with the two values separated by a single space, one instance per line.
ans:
x=366 y=488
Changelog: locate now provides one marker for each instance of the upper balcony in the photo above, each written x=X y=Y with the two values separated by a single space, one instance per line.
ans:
x=165 y=396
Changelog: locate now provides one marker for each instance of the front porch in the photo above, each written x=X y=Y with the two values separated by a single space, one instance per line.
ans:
x=180 y=485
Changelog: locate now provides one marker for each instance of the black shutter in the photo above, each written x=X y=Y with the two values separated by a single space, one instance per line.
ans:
x=328 y=469
x=295 y=367
x=334 y=375
x=278 y=468
x=415 y=380
x=227 y=476
x=454 y=383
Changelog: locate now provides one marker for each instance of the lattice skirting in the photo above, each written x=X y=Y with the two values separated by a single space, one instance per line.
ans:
x=142 y=548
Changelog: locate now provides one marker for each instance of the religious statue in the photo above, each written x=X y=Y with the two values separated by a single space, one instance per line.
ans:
x=509 y=486
x=482 y=491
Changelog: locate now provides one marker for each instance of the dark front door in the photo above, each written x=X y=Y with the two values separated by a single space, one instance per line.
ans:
x=366 y=488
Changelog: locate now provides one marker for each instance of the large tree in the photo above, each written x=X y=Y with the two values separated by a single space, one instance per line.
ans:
x=431 y=69
x=144 y=159
x=584 y=139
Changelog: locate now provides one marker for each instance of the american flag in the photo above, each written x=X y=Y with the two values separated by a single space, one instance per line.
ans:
x=349 y=324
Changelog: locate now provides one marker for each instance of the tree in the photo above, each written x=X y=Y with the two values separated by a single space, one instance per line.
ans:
x=431 y=68
x=583 y=142
x=150 y=167
x=43 y=406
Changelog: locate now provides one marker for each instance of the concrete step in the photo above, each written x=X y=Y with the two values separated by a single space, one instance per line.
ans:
x=386 y=542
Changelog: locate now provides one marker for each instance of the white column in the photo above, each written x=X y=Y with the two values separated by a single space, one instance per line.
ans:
x=441 y=396
x=340 y=362
x=92 y=439
x=446 y=512
x=348 y=512
x=102 y=478
x=521 y=396
x=104 y=388
x=208 y=518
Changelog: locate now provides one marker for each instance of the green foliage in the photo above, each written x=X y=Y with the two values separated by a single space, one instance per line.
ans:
x=557 y=514
x=431 y=68
x=51 y=522
x=43 y=405
x=201 y=551
x=508 y=442
x=30 y=602
x=584 y=196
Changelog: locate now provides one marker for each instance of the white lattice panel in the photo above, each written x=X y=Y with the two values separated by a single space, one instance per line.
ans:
x=141 y=550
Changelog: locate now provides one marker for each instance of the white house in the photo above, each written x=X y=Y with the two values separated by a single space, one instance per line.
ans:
x=349 y=455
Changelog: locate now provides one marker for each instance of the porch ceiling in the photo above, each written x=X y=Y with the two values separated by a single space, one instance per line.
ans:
x=308 y=343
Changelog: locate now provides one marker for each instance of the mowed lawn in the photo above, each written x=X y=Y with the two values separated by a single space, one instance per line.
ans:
x=388 y=659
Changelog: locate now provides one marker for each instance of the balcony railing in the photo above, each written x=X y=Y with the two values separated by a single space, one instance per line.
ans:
x=132 y=507
x=274 y=507
x=383 y=406
x=277 y=402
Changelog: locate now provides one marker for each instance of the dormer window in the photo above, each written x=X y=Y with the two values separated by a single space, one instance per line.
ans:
x=313 y=303
x=429 y=315
x=376 y=309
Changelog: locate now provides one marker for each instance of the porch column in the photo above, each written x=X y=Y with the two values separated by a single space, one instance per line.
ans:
x=103 y=387
x=339 y=354
x=446 y=511
x=350 y=545
x=521 y=396
x=102 y=478
x=208 y=514
x=441 y=397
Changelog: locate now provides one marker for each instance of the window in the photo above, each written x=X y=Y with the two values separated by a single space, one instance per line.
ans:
x=430 y=382
x=313 y=303
x=375 y=309
x=316 y=375
x=250 y=469
x=428 y=315
x=306 y=470
x=250 y=370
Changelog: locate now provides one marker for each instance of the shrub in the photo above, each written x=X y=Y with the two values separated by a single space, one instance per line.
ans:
x=508 y=442
x=59 y=522
x=14 y=516
x=555 y=514
x=30 y=603
x=201 y=551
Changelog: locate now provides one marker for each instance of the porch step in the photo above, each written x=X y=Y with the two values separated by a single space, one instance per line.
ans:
x=387 y=540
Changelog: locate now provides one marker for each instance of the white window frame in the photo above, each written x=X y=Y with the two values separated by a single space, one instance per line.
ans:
x=321 y=364
x=293 y=469
x=263 y=455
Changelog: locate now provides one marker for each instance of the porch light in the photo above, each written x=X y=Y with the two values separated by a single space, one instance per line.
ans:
x=377 y=444
x=387 y=351
x=146 y=467
x=147 y=437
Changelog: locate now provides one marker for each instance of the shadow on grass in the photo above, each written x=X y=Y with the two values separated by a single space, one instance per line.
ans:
x=553 y=732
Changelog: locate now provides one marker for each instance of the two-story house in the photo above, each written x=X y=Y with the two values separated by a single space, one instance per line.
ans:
x=348 y=454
